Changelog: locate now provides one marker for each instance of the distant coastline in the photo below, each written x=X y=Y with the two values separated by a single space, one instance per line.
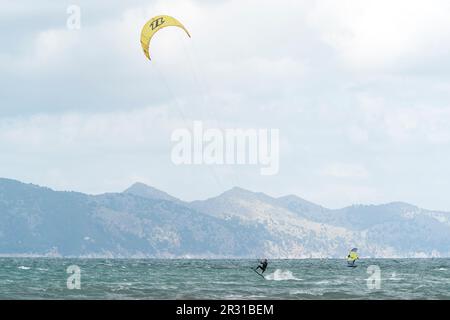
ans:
x=143 y=222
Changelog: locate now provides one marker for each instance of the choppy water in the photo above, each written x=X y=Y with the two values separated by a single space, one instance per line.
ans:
x=42 y=278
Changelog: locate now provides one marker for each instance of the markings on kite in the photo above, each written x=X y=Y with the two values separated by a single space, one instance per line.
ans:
x=155 y=24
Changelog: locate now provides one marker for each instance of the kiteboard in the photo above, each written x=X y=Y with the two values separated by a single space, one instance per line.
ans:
x=259 y=274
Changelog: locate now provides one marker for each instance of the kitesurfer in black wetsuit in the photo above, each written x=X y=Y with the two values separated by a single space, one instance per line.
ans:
x=262 y=266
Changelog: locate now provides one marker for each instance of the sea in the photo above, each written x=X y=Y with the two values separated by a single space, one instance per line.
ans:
x=60 y=278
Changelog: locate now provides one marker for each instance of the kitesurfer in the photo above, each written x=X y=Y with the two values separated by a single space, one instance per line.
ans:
x=262 y=265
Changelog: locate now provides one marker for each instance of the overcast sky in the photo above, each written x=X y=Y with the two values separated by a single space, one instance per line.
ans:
x=360 y=91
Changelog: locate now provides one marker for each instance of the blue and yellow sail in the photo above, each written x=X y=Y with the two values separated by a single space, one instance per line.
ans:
x=352 y=256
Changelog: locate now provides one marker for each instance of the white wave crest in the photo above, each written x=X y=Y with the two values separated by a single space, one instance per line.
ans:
x=24 y=268
x=279 y=275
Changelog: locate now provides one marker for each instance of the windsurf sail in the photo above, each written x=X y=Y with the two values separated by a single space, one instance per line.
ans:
x=352 y=256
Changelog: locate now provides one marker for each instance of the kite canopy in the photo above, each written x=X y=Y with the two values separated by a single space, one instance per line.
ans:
x=154 y=25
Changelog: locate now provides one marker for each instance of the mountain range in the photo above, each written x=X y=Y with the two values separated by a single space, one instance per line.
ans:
x=144 y=222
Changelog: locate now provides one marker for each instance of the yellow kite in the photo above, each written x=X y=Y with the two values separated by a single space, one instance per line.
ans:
x=154 y=25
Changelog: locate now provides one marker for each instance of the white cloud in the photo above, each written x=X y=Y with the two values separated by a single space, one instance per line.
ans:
x=345 y=170
x=387 y=34
x=358 y=134
x=405 y=124
x=71 y=133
